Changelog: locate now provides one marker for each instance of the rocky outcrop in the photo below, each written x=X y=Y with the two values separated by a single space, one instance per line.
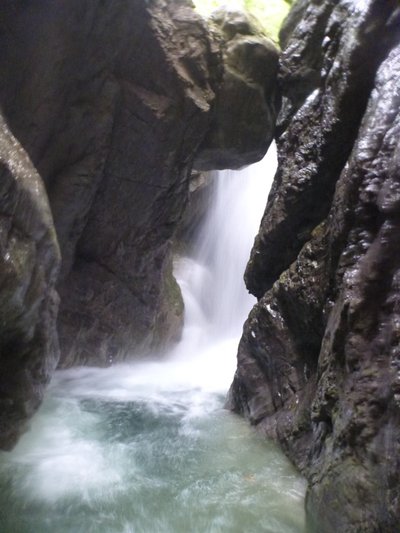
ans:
x=29 y=262
x=318 y=366
x=248 y=100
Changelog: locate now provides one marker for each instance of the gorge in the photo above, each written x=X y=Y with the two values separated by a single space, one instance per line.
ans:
x=147 y=446
x=110 y=114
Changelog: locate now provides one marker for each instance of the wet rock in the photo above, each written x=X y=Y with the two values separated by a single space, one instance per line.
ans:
x=278 y=352
x=248 y=100
x=327 y=73
x=29 y=262
x=318 y=361
x=111 y=102
x=293 y=19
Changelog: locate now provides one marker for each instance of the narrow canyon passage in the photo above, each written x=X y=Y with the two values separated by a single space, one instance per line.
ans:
x=148 y=447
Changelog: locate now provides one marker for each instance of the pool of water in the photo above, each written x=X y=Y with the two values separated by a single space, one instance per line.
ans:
x=139 y=449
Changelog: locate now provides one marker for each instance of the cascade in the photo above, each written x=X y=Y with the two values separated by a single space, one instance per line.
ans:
x=147 y=447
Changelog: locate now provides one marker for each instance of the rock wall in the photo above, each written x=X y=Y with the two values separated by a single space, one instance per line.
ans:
x=29 y=263
x=318 y=363
x=110 y=102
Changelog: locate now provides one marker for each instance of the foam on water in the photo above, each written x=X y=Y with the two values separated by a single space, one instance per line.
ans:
x=148 y=447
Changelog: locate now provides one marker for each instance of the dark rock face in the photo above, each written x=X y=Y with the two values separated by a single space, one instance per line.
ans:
x=327 y=74
x=119 y=283
x=318 y=363
x=29 y=262
x=248 y=100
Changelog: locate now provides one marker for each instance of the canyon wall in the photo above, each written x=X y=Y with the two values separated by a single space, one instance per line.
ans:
x=318 y=363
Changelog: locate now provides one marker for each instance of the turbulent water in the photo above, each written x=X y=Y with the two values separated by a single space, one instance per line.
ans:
x=148 y=448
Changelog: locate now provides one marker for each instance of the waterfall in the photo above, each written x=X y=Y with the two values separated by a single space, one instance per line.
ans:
x=225 y=241
x=147 y=447
x=216 y=300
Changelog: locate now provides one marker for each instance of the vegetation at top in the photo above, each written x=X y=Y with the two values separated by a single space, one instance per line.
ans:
x=270 y=13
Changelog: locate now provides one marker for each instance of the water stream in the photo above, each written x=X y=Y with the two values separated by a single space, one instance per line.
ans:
x=148 y=447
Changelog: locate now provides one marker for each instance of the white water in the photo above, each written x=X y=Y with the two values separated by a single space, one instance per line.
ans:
x=147 y=447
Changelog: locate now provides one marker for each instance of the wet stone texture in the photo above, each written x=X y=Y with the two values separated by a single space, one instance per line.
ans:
x=111 y=101
x=318 y=363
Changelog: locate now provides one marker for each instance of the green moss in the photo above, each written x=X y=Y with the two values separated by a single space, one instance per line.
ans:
x=270 y=13
x=319 y=231
x=169 y=320
x=173 y=294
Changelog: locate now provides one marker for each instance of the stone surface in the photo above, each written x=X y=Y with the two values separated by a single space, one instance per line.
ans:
x=327 y=73
x=29 y=262
x=248 y=99
x=163 y=111
x=318 y=365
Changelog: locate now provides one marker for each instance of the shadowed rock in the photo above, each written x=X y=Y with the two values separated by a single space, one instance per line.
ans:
x=327 y=74
x=112 y=101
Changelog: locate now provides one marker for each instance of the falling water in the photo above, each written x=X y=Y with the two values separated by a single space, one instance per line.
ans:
x=148 y=447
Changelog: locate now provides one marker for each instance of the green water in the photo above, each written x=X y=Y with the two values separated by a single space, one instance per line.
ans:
x=106 y=454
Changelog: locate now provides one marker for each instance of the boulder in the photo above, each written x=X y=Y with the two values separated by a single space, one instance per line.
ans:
x=248 y=98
